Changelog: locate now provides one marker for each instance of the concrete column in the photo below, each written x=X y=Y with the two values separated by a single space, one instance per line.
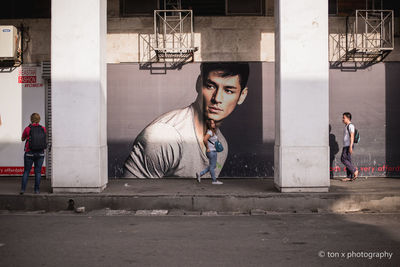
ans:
x=302 y=96
x=79 y=93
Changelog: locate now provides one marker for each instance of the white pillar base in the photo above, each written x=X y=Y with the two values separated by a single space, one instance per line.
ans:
x=302 y=169
x=60 y=190
x=323 y=189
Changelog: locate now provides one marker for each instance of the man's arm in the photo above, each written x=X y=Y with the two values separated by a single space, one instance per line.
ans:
x=155 y=153
x=351 y=140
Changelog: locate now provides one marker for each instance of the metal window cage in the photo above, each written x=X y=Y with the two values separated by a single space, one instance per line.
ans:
x=372 y=30
x=172 y=43
x=368 y=39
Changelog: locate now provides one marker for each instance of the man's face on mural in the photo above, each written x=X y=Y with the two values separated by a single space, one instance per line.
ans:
x=221 y=95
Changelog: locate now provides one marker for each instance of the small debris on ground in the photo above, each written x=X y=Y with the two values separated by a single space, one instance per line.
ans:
x=80 y=210
x=159 y=212
x=257 y=212
x=151 y=212
x=209 y=213
x=117 y=212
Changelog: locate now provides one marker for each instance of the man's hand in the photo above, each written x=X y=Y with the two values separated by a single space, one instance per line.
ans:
x=208 y=150
x=351 y=150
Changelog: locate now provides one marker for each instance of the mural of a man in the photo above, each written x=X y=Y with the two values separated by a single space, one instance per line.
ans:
x=172 y=145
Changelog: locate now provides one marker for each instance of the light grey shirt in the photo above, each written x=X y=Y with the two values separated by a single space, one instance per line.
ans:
x=346 y=135
x=168 y=147
x=213 y=138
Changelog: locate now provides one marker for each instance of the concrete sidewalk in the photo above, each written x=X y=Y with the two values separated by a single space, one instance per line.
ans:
x=235 y=195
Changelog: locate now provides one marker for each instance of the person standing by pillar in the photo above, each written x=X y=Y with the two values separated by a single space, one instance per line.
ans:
x=348 y=147
x=35 y=143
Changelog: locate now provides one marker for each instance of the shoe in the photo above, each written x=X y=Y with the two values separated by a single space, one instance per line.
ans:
x=198 y=177
x=217 y=182
x=21 y=193
x=37 y=192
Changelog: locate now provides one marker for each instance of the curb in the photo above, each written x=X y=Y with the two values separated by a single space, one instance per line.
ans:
x=294 y=202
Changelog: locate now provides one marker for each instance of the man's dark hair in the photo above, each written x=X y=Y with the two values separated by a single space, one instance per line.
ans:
x=228 y=69
x=347 y=114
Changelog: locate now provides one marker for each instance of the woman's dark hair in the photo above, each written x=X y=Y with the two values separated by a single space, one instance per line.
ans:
x=347 y=114
x=227 y=69
x=208 y=124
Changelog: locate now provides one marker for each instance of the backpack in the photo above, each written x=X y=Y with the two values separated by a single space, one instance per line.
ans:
x=218 y=145
x=37 y=138
x=356 y=134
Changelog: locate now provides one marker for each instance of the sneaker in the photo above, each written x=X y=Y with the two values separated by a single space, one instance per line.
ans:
x=37 y=192
x=217 y=182
x=198 y=177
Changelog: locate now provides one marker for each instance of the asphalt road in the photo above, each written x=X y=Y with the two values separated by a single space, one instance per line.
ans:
x=271 y=240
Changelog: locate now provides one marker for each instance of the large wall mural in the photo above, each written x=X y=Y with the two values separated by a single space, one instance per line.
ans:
x=157 y=122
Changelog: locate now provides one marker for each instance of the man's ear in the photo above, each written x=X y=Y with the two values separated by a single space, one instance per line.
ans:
x=199 y=83
x=242 y=96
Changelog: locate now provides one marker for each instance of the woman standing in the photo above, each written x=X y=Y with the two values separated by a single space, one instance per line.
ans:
x=210 y=138
x=35 y=137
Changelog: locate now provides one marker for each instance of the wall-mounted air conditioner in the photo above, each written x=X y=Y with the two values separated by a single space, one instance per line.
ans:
x=8 y=42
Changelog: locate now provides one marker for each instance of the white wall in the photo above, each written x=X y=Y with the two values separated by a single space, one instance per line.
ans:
x=17 y=102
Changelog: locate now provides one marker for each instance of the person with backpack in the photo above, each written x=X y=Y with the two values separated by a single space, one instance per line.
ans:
x=35 y=143
x=213 y=146
x=350 y=137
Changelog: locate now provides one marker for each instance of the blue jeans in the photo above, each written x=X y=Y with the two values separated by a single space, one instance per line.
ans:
x=30 y=158
x=212 y=157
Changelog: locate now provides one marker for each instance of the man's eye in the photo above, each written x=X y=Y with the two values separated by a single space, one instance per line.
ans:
x=210 y=86
x=228 y=91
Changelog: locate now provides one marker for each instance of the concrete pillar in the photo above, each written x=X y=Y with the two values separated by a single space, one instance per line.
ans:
x=302 y=96
x=79 y=93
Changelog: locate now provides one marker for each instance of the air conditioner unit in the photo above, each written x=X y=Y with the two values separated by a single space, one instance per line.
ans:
x=8 y=42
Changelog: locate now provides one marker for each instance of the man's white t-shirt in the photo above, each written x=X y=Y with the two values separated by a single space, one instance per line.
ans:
x=346 y=136
x=168 y=147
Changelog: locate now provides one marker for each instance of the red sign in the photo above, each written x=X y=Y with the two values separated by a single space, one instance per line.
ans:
x=27 y=75
x=26 y=79
x=18 y=171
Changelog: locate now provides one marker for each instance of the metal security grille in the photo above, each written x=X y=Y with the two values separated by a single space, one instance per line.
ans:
x=172 y=44
x=46 y=74
x=368 y=39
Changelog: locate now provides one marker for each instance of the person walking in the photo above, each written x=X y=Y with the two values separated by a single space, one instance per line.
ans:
x=210 y=140
x=34 y=136
x=348 y=148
